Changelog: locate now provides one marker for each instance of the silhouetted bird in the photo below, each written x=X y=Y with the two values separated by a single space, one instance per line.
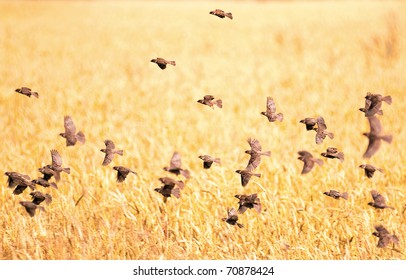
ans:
x=209 y=100
x=370 y=170
x=221 y=14
x=232 y=218
x=333 y=153
x=375 y=137
x=162 y=62
x=379 y=201
x=47 y=172
x=30 y=207
x=384 y=236
x=249 y=202
x=373 y=104
x=122 y=173
x=27 y=91
x=39 y=197
x=246 y=175
x=336 y=194
x=175 y=166
x=45 y=183
x=70 y=133
x=255 y=153
x=110 y=151
x=168 y=189
x=321 y=132
x=19 y=181
x=309 y=161
x=208 y=161
x=310 y=123
x=57 y=165
x=270 y=112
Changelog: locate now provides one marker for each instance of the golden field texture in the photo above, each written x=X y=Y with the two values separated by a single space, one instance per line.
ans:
x=91 y=60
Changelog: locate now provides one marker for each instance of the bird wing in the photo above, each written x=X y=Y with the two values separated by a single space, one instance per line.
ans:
x=56 y=158
x=254 y=161
x=208 y=98
x=373 y=146
x=308 y=165
x=109 y=144
x=270 y=105
x=321 y=124
x=108 y=158
x=254 y=144
x=381 y=229
x=69 y=125
x=305 y=154
x=175 y=161
x=375 y=125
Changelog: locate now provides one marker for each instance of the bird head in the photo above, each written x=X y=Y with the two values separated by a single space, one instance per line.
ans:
x=153 y=60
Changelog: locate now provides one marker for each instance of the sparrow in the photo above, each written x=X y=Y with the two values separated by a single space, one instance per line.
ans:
x=255 y=153
x=175 y=166
x=232 y=218
x=370 y=169
x=248 y=202
x=167 y=190
x=321 y=132
x=45 y=183
x=221 y=14
x=110 y=151
x=373 y=104
x=47 y=172
x=379 y=201
x=336 y=194
x=162 y=62
x=57 y=165
x=209 y=100
x=30 y=207
x=39 y=197
x=70 y=132
x=270 y=112
x=333 y=153
x=27 y=91
x=310 y=123
x=384 y=236
x=122 y=173
x=246 y=175
x=309 y=161
x=208 y=161
x=167 y=181
x=19 y=181
x=375 y=137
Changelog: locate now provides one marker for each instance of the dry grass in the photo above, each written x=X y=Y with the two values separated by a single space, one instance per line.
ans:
x=90 y=60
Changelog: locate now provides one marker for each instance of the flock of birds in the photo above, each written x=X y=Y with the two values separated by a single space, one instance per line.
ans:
x=171 y=187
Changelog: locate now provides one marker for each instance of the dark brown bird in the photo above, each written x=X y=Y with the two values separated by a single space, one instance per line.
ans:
x=209 y=100
x=162 y=62
x=19 y=181
x=47 y=172
x=122 y=173
x=232 y=218
x=208 y=161
x=270 y=112
x=110 y=151
x=321 y=132
x=39 y=197
x=336 y=194
x=169 y=189
x=370 y=170
x=384 y=236
x=309 y=161
x=310 y=123
x=375 y=137
x=27 y=91
x=255 y=153
x=246 y=175
x=30 y=207
x=57 y=165
x=167 y=181
x=379 y=201
x=45 y=183
x=373 y=104
x=175 y=166
x=248 y=202
x=333 y=153
x=221 y=14
x=70 y=132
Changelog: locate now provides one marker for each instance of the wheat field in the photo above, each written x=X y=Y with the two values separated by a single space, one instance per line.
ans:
x=91 y=60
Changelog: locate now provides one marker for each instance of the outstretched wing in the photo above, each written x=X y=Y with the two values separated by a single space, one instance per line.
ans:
x=70 y=128
x=175 y=161
x=56 y=158
x=270 y=105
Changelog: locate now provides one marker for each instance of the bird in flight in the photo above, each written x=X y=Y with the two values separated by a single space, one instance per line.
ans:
x=270 y=112
x=375 y=137
x=70 y=132
x=27 y=92
x=308 y=161
x=163 y=62
x=221 y=14
x=210 y=101
x=110 y=150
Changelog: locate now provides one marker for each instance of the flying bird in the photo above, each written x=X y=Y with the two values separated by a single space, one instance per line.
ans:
x=321 y=132
x=168 y=189
x=57 y=165
x=370 y=170
x=248 y=202
x=232 y=218
x=270 y=112
x=246 y=175
x=122 y=173
x=19 y=181
x=333 y=153
x=27 y=92
x=373 y=104
x=310 y=123
x=208 y=161
x=336 y=195
x=175 y=166
x=30 y=207
x=162 y=62
x=375 y=137
x=221 y=14
x=70 y=132
x=255 y=153
x=309 y=161
x=47 y=172
x=384 y=236
x=379 y=201
x=167 y=181
x=209 y=100
x=110 y=150
x=45 y=183
x=38 y=197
